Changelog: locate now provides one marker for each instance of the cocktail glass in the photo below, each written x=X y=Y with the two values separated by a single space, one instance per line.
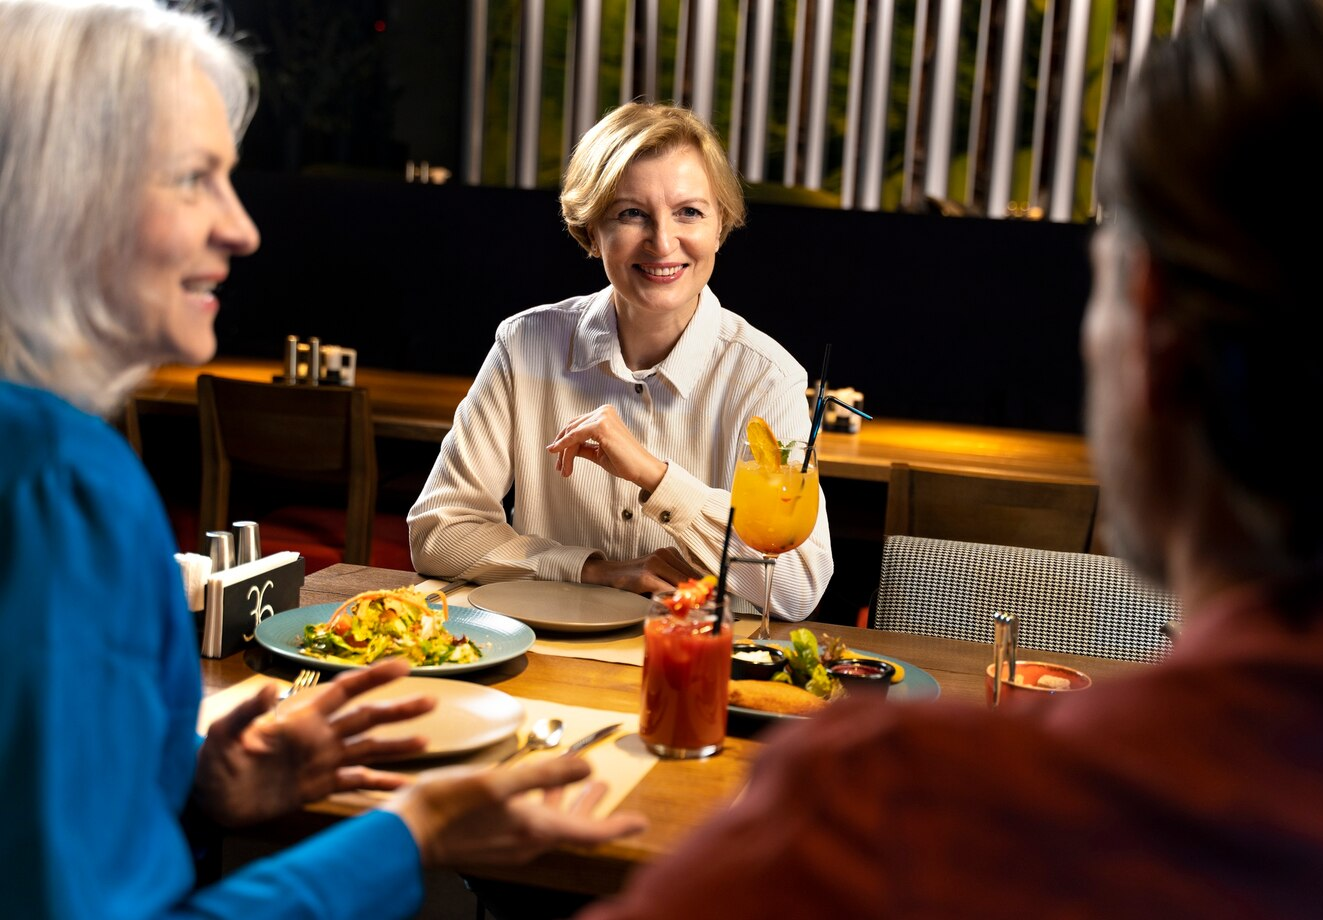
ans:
x=776 y=508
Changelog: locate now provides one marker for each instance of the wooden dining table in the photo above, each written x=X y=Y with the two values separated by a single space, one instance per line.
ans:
x=675 y=795
x=421 y=406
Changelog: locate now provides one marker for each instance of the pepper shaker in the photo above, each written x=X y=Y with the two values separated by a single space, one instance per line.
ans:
x=1005 y=640
x=314 y=360
x=249 y=543
x=222 y=550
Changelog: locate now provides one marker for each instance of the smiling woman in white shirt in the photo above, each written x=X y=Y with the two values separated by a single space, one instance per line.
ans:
x=617 y=417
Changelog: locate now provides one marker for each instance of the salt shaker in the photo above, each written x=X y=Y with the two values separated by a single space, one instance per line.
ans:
x=291 y=358
x=249 y=543
x=222 y=550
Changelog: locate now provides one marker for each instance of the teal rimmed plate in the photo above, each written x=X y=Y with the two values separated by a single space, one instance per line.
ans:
x=501 y=638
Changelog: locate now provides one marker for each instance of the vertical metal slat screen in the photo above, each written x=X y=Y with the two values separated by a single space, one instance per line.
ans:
x=987 y=107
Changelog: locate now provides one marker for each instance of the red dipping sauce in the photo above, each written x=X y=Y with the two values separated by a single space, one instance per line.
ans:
x=863 y=675
x=856 y=670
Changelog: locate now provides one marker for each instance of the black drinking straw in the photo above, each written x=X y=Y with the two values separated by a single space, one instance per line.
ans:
x=721 y=569
x=819 y=405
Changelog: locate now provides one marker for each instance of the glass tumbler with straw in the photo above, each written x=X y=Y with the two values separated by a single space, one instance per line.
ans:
x=686 y=668
x=777 y=497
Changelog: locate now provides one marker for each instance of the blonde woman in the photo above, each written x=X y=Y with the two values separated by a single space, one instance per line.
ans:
x=617 y=417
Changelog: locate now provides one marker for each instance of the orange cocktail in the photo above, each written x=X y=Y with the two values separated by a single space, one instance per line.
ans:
x=776 y=509
x=686 y=670
x=774 y=500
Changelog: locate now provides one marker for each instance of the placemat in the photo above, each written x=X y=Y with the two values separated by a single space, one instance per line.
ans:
x=620 y=760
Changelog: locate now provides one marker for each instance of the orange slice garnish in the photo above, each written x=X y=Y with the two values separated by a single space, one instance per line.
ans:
x=763 y=444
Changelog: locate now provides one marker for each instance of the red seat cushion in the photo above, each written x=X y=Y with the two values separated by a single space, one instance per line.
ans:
x=318 y=534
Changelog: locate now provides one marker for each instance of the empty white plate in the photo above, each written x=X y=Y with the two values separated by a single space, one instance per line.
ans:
x=467 y=716
x=562 y=606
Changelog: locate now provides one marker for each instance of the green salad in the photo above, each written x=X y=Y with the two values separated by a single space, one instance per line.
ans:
x=804 y=667
x=384 y=624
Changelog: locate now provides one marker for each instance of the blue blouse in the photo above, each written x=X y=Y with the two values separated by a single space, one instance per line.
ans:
x=99 y=693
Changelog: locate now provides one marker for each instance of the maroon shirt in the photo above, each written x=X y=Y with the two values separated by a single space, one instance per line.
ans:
x=1194 y=788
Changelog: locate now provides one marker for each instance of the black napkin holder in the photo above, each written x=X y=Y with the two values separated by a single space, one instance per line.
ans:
x=240 y=598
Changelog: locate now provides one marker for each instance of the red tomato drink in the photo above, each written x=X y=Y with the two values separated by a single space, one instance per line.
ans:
x=686 y=670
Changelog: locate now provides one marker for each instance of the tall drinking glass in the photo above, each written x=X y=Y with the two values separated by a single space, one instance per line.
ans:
x=775 y=508
x=686 y=669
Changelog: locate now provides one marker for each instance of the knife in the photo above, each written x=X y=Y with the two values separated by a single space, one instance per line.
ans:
x=591 y=739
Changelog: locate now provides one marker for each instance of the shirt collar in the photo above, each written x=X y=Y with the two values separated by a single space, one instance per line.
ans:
x=597 y=342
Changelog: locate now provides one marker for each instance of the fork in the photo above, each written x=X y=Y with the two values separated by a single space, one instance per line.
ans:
x=447 y=588
x=307 y=678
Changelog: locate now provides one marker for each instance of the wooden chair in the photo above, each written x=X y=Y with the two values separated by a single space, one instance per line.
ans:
x=1077 y=603
x=1058 y=516
x=298 y=449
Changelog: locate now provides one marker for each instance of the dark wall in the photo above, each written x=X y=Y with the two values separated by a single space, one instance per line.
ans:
x=941 y=318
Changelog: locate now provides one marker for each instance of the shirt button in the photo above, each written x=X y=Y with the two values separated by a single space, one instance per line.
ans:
x=638 y=388
x=627 y=514
x=665 y=517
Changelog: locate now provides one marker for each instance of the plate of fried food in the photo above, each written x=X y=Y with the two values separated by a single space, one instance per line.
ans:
x=806 y=685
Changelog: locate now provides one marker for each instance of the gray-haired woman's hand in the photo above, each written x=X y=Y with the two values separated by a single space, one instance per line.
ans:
x=256 y=763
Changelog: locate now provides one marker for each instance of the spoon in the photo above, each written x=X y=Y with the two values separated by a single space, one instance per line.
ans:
x=545 y=733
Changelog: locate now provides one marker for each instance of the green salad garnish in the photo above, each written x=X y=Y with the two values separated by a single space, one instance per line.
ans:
x=384 y=624
x=804 y=667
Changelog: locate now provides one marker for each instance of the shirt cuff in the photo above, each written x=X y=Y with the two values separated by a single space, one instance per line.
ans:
x=677 y=500
x=564 y=563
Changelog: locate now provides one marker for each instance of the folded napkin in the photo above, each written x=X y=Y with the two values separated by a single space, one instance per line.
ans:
x=195 y=570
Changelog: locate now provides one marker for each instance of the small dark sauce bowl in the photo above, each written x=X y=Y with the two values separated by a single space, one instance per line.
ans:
x=863 y=675
x=741 y=669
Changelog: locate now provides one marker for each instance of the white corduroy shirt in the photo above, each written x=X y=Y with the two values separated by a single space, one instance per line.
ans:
x=553 y=363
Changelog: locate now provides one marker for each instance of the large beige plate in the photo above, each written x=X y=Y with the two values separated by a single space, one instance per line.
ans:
x=467 y=716
x=562 y=606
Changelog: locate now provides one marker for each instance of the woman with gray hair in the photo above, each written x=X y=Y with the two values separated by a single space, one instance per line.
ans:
x=72 y=184
x=117 y=223
x=617 y=417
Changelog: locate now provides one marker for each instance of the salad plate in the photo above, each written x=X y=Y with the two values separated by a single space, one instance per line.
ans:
x=562 y=606
x=917 y=685
x=499 y=637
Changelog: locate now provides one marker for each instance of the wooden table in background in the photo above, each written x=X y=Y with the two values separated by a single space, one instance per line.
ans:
x=411 y=406
x=420 y=407
x=675 y=795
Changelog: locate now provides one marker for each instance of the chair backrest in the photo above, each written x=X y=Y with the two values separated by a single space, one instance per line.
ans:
x=943 y=505
x=305 y=434
x=1078 y=603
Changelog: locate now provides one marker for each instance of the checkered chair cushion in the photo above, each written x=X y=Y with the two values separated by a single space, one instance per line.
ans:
x=1077 y=603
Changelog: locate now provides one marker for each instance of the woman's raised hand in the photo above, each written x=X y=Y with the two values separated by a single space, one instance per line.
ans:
x=602 y=438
